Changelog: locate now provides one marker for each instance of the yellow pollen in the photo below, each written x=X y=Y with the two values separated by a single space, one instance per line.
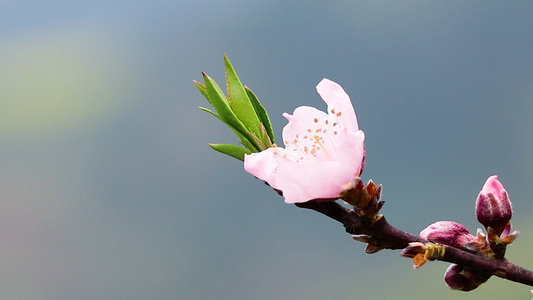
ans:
x=295 y=141
x=318 y=130
x=316 y=120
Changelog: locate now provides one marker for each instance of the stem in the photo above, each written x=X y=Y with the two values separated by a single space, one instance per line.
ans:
x=382 y=234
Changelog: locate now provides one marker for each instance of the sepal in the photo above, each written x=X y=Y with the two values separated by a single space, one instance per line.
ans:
x=422 y=252
x=364 y=199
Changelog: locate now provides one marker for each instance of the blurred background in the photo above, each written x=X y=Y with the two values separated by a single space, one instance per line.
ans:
x=108 y=189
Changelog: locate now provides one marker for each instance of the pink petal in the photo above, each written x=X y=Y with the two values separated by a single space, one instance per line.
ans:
x=493 y=186
x=303 y=181
x=306 y=126
x=338 y=102
x=263 y=166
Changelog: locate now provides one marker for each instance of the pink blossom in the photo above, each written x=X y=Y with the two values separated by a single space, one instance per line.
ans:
x=323 y=152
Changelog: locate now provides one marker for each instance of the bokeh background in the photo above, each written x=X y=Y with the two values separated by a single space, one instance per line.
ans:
x=108 y=189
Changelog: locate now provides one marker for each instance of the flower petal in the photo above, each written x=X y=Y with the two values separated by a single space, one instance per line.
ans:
x=338 y=102
x=263 y=166
x=310 y=131
x=301 y=181
x=493 y=186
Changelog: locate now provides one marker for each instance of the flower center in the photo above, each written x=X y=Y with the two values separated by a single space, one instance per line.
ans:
x=315 y=143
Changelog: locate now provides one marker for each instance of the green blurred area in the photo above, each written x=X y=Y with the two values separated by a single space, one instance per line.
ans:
x=62 y=78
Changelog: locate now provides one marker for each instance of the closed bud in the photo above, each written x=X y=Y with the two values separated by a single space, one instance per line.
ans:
x=460 y=278
x=449 y=233
x=493 y=208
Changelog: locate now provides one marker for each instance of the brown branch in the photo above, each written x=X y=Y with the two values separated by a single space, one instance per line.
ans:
x=384 y=235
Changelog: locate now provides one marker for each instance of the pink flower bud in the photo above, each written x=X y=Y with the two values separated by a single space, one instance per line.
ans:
x=493 y=208
x=449 y=233
x=459 y=278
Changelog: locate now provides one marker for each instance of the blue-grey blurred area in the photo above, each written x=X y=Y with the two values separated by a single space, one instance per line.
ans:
x=108 y=189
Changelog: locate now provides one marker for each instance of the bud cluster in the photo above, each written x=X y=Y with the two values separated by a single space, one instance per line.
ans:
x=494 y=212
x=364 y=199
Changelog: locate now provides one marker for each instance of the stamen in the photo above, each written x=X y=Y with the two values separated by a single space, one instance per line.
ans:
x=317 y=145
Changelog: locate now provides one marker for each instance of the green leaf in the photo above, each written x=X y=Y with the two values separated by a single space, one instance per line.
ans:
x=238 y=100
x=201 y=88
x=231 y=150
x=218 y=100
x=261 y=113
x=265 y=136
x=240 y=111
x=257 y=140
x=216 y=97
x=247 y=141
